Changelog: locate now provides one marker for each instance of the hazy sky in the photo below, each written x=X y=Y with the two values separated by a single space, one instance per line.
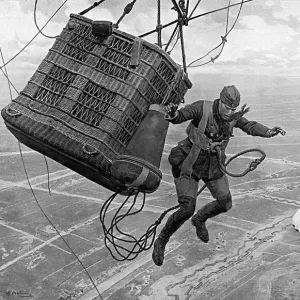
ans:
x=265 y=39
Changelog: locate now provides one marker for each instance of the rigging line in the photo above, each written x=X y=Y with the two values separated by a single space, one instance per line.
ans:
x=126 y=11
x=10 y=93
x=182 y=47
x=223 y=39
x=48 y=175
x=187 y=7
x=9 y=80
x=91 y=7
x=192 y=18
x=158 y=27
x=42 y=210
x=177 y=39
x=36 y=24
x=33 y=37
x=219 y=9
x=222 y=43
x=238 y=15
x=172 y=37
x=227 y=19
x=191 y=14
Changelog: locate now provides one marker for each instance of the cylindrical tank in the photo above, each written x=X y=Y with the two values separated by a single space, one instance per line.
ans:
x=138 y=167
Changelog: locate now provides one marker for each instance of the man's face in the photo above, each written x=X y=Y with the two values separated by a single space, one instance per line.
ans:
x=225 y=110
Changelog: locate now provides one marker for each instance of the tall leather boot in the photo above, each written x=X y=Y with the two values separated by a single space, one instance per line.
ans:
x=211 y=209
x=198 y=220
x=186 y=191
x=174 y=222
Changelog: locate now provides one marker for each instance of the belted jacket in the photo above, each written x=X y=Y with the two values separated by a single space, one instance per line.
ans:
x=216 y=130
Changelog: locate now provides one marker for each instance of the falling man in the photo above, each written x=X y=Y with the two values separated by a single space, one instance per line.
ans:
x=195 y=158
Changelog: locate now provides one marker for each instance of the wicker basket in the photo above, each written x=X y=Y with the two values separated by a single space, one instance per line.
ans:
x=89 y=95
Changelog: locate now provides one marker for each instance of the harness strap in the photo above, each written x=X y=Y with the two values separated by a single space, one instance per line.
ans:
x=187 y=165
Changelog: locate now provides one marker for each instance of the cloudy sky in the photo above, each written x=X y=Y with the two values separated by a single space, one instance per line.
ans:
x=265 y=39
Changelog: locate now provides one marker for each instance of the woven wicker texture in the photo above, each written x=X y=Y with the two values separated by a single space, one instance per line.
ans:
x=88 y=92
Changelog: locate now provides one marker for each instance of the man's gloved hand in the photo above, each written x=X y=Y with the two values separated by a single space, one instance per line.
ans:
x=171 y=109
x=275 y=130
x=212 y=147
x=239 y=114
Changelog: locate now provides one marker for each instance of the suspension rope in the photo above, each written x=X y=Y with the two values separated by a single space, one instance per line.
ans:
x=183 y=19
x=224 y=39
x=6 y=74
x=36 y=24
x=195 y=7
x=48 y=175
x=91 y=7
x=126 y=11
x=54 y=227
x=176 y=41
x=175 y=31
x=159 y=27
x=182 y=48
x=40 y=207
x=192 y=18
x=187 y=7
x=17 y=54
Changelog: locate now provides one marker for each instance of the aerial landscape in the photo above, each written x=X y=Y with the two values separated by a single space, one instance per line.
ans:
x=254 y=249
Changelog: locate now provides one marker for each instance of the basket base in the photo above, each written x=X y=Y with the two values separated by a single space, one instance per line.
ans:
x=107 y=181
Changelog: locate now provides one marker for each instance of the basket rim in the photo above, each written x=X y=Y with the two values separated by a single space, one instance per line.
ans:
x=129 y=35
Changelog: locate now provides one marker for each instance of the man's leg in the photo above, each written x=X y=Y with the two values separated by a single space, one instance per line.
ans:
x=187 y=192
x=220 y=191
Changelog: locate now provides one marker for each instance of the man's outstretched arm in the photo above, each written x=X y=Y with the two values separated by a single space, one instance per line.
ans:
x=256 y=129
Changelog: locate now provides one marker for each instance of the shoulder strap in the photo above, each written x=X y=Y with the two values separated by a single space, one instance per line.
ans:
x=187 y=165
x=207 y=109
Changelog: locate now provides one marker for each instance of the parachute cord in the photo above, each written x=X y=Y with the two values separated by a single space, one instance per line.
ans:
x=158 y=27
x=60 y=235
